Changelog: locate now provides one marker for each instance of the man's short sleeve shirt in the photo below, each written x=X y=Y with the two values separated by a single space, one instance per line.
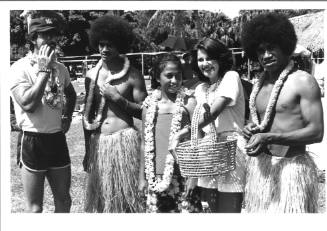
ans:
x=45 y=119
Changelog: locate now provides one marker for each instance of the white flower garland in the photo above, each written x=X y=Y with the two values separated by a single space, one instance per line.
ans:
x=273 y=97
x=119 y=75
x=154 y=183
x=111 y=77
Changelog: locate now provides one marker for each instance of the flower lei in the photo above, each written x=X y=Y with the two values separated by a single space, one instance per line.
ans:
x=273 y=97
x=93 y=125
x=154 y=183
x=54 y=90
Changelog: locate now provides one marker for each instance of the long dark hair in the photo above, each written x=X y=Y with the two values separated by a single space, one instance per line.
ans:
x=216 y=50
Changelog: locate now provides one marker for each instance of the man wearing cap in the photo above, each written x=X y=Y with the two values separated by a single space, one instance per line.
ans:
x=44 y=100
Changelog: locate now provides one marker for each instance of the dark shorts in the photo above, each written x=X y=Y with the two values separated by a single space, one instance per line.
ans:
x=222 y=202
x=41 y=151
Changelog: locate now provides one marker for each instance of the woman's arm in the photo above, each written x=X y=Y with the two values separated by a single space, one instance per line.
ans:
x=230 y=84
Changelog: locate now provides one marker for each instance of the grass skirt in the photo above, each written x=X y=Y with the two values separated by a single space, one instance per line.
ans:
x=281 y=185
x=113 y=173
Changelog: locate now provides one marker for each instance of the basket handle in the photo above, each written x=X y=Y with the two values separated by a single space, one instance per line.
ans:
x=195 y=125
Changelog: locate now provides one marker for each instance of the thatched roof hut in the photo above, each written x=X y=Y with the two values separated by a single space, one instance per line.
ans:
x=309 y=29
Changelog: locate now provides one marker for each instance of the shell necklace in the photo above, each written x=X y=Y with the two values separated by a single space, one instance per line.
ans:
x=94 y=124
x=155 y=184
x=273 y=97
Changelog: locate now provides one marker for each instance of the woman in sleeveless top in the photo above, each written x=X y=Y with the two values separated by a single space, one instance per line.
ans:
x=165 y=112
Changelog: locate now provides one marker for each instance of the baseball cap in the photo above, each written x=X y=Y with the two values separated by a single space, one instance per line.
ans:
x=46 y=21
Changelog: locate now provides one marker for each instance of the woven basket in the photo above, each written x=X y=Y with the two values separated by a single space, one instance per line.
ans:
x=209 y=156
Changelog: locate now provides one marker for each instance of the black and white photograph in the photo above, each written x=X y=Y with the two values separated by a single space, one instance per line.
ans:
x=213 y=109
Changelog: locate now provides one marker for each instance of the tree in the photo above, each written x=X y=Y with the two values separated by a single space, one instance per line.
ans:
x=152 y=27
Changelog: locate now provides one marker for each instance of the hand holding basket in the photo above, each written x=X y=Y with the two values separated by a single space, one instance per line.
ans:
x=209 y=156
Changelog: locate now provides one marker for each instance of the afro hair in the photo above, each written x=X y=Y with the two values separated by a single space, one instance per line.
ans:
x=114 y=29
x=273 y=28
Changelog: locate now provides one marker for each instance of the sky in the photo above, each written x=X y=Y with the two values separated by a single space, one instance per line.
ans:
x=230 y=12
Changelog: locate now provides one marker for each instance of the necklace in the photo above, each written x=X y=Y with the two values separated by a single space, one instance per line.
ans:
x=93 y=125
x=54 y=89
x=119 y=75
x=155 y=184
x=273 y=97
x=208 y=91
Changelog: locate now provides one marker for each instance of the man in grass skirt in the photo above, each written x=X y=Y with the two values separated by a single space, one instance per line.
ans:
x=286 y=114
x=114 y=91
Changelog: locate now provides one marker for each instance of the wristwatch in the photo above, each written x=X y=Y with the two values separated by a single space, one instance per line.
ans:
x=43 y=69
x=42 y=65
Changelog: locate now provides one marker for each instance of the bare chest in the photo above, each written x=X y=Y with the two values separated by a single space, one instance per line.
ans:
x=287 y=100
x=123 y=85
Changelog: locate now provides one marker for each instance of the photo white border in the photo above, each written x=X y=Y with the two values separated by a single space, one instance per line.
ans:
x=21 y=221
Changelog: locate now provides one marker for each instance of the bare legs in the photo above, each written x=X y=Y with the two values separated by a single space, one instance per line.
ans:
x=59 y=181
x=33 y=184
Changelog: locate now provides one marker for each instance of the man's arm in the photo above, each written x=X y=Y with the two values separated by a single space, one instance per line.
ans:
x=87 y=133
x=29 y=97
x=139 y=94
x=312 y=114
x=69 y=107
x=70 y=100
